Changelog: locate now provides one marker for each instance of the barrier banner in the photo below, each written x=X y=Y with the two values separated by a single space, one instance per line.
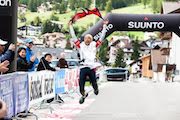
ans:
x=72 y=79
x=60 y=81
x=76 y=79
x=41 y=86
x=48 y=84
x=68 y=82
x=21 y=95
x=6 y=92
x=35 y=87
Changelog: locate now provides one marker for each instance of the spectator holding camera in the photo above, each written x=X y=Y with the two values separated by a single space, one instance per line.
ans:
x=6 y=55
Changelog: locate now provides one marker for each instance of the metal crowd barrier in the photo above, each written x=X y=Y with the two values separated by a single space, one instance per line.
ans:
x=23 y=91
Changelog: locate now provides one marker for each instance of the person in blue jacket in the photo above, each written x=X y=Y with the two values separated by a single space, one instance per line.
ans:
x=29 y=54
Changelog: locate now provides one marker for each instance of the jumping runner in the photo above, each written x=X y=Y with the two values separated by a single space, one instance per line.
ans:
x=87 y=50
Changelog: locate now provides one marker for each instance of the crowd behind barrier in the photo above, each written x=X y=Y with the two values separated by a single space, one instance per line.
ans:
x=22 y=90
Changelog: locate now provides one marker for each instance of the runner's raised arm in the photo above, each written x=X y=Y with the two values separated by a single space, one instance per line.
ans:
x=103 y=34
x=73 y=35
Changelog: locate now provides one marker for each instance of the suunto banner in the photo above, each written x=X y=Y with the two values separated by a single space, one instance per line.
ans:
x=137 y=22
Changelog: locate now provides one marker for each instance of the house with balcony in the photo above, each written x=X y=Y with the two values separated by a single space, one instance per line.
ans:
x=120 y=42
x=163 y=61
x=54 y=40
x=29 y=30
x=172 y=40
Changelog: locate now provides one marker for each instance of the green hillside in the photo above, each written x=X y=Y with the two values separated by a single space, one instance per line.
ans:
x=135 y=9
x=64 y=18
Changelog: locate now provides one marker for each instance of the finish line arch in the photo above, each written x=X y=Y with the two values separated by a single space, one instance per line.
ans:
x=137 y=22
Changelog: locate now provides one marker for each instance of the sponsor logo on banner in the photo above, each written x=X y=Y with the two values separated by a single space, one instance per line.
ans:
x=146 y=25
x=48 y=84
x=35 y=86
x=109 y=27
x=5 y=3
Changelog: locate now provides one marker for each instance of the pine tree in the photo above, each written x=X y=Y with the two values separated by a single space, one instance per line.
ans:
x=88 y=3
x=56 y=28
x=39 y=2
x=109 y=6
x=103 y=52
x=136 y=48
x=145 y=3
x=37 y=21
x=63 y=7
x=72 y=4
x=54 y=17
x=119 y=4
x=101 y=4
x=22 y=17
x=68 y=45
x=24 y=2
x=47 y=27
x=32 y=5
x=35 y=5
x=156 y=5
x=60 y=6
x=119 y=62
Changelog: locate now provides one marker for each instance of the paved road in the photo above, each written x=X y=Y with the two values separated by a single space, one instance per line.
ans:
x=134 y=101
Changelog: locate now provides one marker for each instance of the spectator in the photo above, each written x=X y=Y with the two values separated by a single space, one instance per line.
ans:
x=29 y=54
x=3 y=109
x=62 y=63
x=9 y=54
x=44 y=63
x=22 y=64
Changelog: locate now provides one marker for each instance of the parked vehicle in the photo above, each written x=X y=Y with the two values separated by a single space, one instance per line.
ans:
x=117 y=74
x=72 y=63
